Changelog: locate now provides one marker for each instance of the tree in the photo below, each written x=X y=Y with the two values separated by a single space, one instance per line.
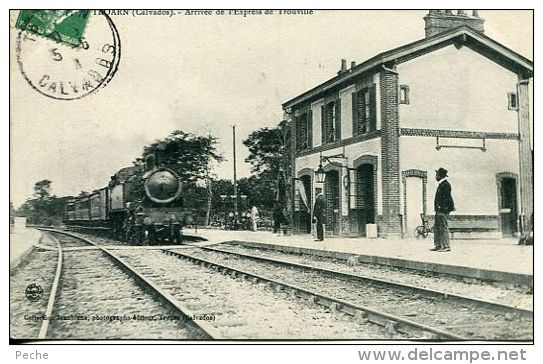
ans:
x=190 y=156
x=268 y=148
x=219 y=206
x=258 y=194
x=269 y=157
x=44 y=208
x=42 y=189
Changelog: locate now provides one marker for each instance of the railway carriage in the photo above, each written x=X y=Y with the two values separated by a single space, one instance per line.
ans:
x=82 y=210
x=69 y=215
x=98 y=206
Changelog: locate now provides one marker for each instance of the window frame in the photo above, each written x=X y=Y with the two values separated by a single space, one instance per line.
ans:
x=332 y=107
x=510 y=97
x=404 y=89
x=364 y=110
x=301 y=139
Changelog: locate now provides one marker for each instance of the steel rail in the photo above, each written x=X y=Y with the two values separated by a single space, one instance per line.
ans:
x=52 y=295
x=204 y=328
x=457 y=298
x=362 y=313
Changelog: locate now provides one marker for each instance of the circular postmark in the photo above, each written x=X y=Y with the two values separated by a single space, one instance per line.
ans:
x=33 y=292
x=64 y=72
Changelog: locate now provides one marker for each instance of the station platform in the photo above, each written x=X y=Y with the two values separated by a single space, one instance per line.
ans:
x=499 y=260
x=21 y=243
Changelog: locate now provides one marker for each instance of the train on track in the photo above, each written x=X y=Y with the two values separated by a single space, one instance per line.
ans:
x=141 y=204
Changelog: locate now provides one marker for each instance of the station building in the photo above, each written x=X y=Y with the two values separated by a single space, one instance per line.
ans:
x=378 y=130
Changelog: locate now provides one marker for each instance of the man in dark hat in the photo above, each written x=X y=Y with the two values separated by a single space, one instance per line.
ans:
x=319 y=214
x=443 y=206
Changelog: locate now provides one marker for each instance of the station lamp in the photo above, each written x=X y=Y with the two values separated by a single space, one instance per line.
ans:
x=320 y=174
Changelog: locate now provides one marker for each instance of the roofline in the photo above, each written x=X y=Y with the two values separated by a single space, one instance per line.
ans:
x=402 y=51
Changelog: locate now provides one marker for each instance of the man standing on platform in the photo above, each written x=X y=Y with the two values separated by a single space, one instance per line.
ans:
x=443 y=206
x=319 y=216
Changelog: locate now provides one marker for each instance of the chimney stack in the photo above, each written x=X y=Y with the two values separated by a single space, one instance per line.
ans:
x=343 y=66
x=438 y=21
x=353 y=64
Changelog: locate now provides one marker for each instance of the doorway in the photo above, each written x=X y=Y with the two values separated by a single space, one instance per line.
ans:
x=331 y=193
x=305 y=211
x=365 y=197
x=414 y=204
x=508 y=205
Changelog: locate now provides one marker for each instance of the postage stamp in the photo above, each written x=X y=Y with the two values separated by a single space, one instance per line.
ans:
x=63 y=26
x=58 y=61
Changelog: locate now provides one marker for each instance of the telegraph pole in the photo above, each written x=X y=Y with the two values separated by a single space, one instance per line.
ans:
x=235 y=179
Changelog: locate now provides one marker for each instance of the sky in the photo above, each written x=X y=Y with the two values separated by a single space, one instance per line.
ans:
x=201 y=74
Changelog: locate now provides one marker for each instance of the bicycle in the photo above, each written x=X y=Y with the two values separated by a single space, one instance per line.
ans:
x=422 y=231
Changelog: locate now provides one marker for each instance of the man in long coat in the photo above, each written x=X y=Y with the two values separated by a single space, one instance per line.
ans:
x=443 y=206
x=254 y=218
x=319 y=214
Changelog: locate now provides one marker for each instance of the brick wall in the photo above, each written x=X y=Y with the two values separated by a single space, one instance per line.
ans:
x=525 y=156
x=391 y=218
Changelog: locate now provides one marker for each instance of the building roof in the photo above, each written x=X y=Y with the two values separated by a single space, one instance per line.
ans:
x=459 y=36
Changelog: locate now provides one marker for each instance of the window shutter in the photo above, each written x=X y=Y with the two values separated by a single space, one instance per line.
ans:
x=323 y=124
x=297 y=135
x=303 y=120
x=310 y=128
x=373 y=117
x=361 y=102
x=337 y=106
x=355 y=113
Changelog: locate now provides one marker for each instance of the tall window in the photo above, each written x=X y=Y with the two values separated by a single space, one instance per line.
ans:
x=364 y=117
x=331 y=121
x=512 y=101
x=404 y=94
x=304 y=130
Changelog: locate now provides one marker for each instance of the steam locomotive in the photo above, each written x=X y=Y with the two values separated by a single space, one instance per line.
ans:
x=126 y=211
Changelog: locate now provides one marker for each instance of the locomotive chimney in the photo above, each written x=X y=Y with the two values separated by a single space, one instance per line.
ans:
x=150 y=162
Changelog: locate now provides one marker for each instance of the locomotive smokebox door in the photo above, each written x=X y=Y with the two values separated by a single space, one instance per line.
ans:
x=162 y=186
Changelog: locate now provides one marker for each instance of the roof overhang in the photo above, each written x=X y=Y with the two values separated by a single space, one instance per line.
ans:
x=460 y=36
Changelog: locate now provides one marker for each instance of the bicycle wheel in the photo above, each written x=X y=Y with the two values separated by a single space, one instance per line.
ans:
x=421 y=232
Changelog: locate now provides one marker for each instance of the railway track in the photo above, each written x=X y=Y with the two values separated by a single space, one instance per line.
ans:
x=333 y=271
x=411 y=310
x=243 y=310
x=232 y=287
x=236 y=309
x=95 y=294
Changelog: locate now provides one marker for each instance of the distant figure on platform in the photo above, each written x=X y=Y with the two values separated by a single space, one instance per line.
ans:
x=319 y=216
x=278 y=217
x=443 y=206
x=254 y=218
